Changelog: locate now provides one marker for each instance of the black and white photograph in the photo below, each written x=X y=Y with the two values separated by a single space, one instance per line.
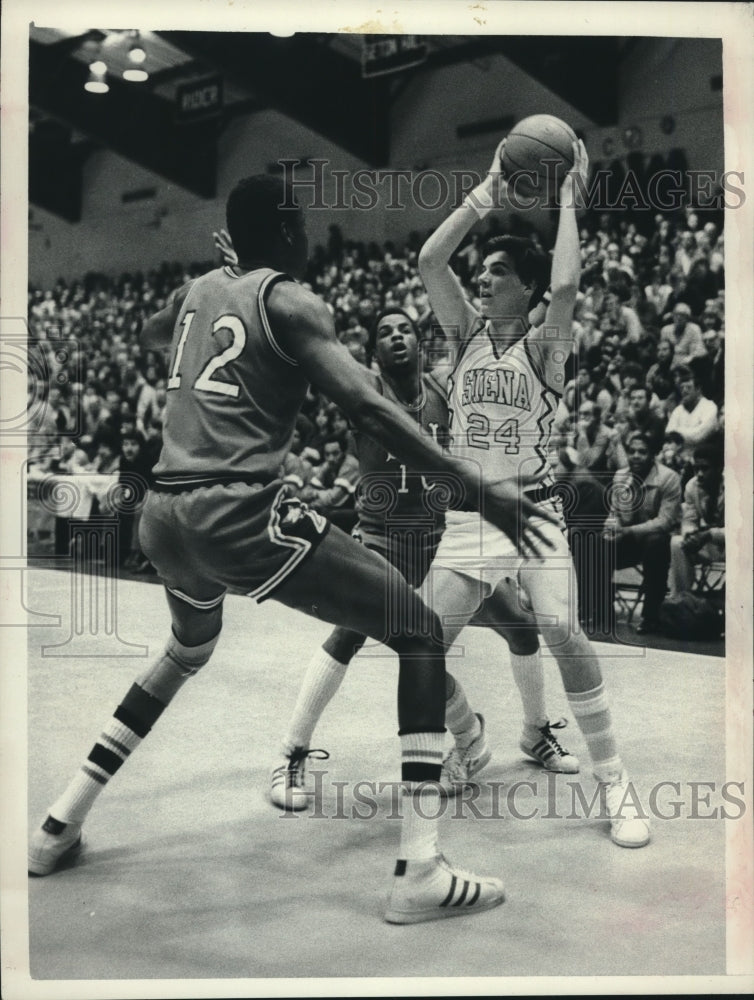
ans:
x=376 y=436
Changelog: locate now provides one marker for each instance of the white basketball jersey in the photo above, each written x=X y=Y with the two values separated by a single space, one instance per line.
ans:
x=501 y=410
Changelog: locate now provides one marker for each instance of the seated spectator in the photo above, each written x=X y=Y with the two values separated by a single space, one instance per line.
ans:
x=332 y=487
x=106 y=460
x=587 y=338
x=711 y=367
x=599 y=447
x=645 y=508
x=316 y=442
x=576 y=390
x=338 y=426
x=702 y=535
x=661 y=377
x=671 y=452
x=700 y=285
x=134 y=478
x=695 y=417
x=297 y=469
x=687 y=252
x=685 y=336
x=622 y=316
x=632 y=377
x=72 y=461
x=641 y=417
x=658 y=291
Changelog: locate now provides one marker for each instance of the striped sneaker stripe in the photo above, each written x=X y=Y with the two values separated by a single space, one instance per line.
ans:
x=452 y=890
x=464 y=893
x=475 y=897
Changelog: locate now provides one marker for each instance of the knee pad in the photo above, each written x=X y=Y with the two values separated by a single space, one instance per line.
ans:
x=190 y=659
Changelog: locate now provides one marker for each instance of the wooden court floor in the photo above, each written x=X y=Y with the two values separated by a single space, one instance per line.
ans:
x=190 y=873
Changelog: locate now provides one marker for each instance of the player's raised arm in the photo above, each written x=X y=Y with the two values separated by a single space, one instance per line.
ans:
x=446 y=294
x=157 y=331
x=304 y=329
x=553 y=341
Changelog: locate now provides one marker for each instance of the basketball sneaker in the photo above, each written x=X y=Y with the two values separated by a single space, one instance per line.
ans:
x=287 y=789
x=540 y=744
x=434 y=889
x=627 y=827
x=52 y=844
x=462 y=763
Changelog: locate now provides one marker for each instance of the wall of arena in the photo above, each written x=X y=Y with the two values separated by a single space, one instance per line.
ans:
x=173 y=224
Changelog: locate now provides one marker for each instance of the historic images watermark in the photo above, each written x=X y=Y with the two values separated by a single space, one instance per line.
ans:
x=321 y=187
x=547 y=798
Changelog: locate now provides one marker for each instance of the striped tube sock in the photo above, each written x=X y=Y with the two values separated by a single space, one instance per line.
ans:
x=529 y=675
x=421 y=761
x=592 y=712
x=131 y=722
x=460 y=719
x=323 y=677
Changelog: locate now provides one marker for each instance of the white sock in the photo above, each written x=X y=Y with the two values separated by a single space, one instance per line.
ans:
x=459 y=717
x=323 y=677
x=529 y=675
x=592 y=712
x=421 y=756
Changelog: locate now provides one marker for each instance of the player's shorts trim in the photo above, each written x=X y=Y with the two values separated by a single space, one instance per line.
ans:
x=227 y=538
x=264 y=288
x=199 y=605
x=181 y=484
x=471 y=547
x=294 y=526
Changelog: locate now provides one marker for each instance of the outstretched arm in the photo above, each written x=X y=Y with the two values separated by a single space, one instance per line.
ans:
x=553 y=341
x=305 y=330
x=157 y=331
x=446 y=294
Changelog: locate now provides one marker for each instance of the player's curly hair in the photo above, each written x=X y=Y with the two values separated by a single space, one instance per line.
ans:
x=532 y=265
x=254 y=211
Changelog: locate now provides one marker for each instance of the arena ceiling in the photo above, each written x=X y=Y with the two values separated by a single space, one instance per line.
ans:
x=315 y=79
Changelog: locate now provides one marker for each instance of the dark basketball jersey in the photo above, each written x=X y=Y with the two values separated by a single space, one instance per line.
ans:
x=390 y=494
x=233 y=394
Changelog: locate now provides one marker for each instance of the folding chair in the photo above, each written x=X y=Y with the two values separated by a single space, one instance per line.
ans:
x=628 y=587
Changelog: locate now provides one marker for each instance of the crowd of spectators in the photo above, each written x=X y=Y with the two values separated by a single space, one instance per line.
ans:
x=649 y=335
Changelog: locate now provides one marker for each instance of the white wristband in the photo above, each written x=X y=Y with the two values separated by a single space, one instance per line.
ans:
x=480 y=199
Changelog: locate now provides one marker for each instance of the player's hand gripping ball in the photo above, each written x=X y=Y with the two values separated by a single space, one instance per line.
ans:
x=542 y=146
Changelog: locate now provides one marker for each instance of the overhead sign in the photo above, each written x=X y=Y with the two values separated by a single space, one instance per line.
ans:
x=200 y=98
x=390 y=53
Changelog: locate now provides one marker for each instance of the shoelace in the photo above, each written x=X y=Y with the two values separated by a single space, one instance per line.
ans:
x=552 y=740
x=296 y=767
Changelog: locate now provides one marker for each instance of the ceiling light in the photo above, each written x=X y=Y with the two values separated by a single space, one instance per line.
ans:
x=135 y=75
x=99 y=67
x=96 y=84
x=283 y=33
x=136 y=53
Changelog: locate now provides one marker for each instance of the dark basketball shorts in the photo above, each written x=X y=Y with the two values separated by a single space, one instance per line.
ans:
x=240 y=537
x=410 y=551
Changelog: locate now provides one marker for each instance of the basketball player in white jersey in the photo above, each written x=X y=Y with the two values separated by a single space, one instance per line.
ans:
x=503 y=393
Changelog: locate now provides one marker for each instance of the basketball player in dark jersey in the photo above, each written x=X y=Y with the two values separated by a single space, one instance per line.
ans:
x=244 y=344
x=401 y=516
x=502 y=397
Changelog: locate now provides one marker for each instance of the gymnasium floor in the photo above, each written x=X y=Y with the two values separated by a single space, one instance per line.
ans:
x=191 y=874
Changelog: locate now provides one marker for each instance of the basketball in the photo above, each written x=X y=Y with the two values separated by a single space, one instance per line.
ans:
x=541 y=145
